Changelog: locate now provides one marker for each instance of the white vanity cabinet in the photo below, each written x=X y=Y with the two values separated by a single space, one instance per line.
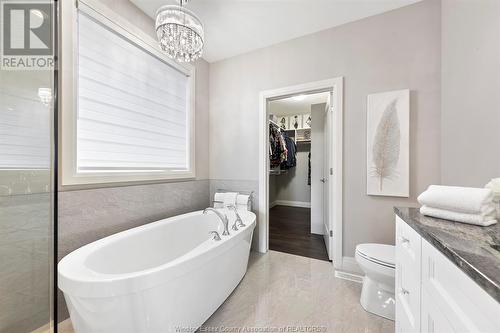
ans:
x=433 y=295
x=407 y=294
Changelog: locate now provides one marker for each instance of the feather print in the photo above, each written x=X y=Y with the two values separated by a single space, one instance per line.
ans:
x=386 y=145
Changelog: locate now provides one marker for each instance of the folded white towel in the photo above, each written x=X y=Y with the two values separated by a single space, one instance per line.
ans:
x=477 y=219
x=242 y=199
x=230 y=198
x=242 y=202
x=243 y=207
x=458 y=199
x=219 y=198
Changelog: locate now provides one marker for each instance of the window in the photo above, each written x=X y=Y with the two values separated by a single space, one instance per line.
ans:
x=132 y=119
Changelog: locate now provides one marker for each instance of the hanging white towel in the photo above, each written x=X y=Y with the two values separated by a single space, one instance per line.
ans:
x=476 y=219
x=458 y=199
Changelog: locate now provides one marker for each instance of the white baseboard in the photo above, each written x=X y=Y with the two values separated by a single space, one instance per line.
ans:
x=273 y=204
x=301 y=204
x=350 y=270
x=348 y=276
x=349 y=264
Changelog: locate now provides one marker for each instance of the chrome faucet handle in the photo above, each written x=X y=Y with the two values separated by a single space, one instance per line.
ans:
x=235 y=224
x=216 y=236
x=222 y=217
x=239 y=220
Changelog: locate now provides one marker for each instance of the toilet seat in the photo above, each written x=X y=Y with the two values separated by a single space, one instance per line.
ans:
x=380 y=254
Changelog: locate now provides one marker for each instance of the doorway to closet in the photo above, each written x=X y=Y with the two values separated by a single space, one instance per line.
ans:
x=296 y=174
x=300 y=174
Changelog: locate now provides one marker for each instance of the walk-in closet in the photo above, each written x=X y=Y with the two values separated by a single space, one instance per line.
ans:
x=296 y=159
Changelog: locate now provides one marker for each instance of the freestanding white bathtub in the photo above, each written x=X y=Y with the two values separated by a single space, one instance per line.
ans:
x=166 y=276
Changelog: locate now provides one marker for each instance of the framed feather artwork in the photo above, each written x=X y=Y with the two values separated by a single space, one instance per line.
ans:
x=388 y=144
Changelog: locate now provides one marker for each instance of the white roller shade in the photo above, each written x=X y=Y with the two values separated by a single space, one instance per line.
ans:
x=132 y=106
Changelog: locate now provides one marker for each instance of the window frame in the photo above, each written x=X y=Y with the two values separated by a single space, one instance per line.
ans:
x=68 y=92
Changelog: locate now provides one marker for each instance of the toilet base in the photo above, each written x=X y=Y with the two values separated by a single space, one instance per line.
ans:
x=378 y=298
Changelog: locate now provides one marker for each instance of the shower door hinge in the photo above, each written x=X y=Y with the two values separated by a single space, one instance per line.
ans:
x=331 y=233
x=331 y=171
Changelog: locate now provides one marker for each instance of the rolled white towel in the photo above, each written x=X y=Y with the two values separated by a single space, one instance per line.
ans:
x=477 y=219
x=242 y=207
x=219 y=198
x=242 y=202
x=242 y=199
x=458 y=199
x=230 y=198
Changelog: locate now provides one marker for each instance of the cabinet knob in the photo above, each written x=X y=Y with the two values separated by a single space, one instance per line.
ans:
x=404 y=240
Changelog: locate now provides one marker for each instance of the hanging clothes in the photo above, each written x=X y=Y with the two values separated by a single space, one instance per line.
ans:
x=278 y=152
x=291 y=159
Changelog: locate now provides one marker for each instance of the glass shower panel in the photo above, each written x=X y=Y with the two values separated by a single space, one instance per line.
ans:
x=26 y=166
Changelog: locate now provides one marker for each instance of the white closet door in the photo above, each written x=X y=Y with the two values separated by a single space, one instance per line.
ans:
x=317 y=169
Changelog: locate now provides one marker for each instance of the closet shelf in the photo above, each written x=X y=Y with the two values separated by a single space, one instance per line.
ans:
x=277 y=172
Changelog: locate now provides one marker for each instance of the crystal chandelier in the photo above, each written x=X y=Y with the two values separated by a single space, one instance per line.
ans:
x=180 y=32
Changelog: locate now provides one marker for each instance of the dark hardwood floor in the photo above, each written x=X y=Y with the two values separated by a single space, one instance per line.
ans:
x=289 y=231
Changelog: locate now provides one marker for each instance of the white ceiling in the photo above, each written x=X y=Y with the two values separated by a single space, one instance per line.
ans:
x=235 y=27
x=291 y=105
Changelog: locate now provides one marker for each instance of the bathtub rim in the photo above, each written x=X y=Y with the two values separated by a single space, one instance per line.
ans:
x=75 y=279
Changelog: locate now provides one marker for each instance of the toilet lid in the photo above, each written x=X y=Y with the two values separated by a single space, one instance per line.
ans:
x=380 y=253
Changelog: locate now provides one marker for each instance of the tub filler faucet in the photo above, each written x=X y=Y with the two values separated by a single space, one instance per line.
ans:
x=222 y=217
x=238 y=223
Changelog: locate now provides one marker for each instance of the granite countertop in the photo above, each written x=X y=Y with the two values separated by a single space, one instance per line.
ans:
x=474 y=249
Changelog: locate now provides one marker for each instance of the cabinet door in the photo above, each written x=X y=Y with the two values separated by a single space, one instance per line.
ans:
x=465 y=305
x=408 y=283
x=433 y=319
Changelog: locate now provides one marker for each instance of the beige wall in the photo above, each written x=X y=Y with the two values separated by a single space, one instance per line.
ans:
x=395 y=50
x=470 y=120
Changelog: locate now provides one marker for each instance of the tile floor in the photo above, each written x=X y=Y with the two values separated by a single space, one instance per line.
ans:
x=281 y=289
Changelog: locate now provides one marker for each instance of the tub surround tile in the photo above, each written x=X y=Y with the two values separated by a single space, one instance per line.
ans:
x=473 y=249
x=280 y=289
x=88 y=215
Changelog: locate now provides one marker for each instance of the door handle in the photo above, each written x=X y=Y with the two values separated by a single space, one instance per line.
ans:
x=323 y=180
x=404 y=291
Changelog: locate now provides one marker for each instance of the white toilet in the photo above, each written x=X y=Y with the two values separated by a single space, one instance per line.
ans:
x=377 y=262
